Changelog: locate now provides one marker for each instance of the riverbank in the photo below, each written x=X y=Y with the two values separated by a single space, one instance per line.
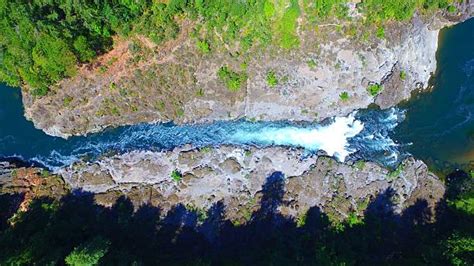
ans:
x=235 y=177
x=333 y=72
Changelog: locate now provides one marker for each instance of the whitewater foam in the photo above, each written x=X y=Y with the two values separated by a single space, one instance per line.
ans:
x=361 y=135
x=332 y=138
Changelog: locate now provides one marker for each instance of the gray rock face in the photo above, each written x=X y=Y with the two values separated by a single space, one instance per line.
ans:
x=235 y=176
x=165 y=86
x=6 y=170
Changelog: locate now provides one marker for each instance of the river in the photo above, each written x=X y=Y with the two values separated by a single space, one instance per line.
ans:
x=439 y=124
x=435 y=126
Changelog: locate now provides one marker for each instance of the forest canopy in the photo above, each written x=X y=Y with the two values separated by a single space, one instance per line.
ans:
x=43 y=41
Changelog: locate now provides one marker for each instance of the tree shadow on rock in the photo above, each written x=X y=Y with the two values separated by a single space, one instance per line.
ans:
x=51 y=230
x=9 y=205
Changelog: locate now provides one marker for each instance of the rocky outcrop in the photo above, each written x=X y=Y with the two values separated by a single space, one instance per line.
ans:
x=236 y=176
x=31 y=182
x=175 y=82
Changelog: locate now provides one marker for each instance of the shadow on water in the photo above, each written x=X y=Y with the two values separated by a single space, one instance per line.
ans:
x=49 y=231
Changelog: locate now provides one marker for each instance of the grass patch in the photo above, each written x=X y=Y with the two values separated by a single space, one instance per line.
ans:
x=201 y=214
x=353 y=219
x=67 y=101
x=102 y=69
x=286 y=26
x=112 y=86
x=203 y=46
x=311 y=64
x=248 y=153
x=200 y=92
x=301 y=220
x=363 y=204
x=396 y=173
x=179 y=111
x=360 y=165
x=206 y=149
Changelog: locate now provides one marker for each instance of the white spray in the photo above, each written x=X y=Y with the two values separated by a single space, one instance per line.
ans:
x=333 y=138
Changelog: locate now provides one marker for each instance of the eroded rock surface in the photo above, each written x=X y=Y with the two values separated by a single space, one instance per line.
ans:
x=31 y=182
x=236 y=176
x=176 y=82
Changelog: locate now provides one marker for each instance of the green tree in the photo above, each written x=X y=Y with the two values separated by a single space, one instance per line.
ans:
x=459 y=249
x=88 y=253
x=83 y=49
x=53 y=59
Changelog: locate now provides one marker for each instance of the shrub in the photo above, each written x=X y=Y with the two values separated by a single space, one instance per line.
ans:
x=176 y=175
x=312 y=64
x=39 y=92
x=203 y=46
x=272 y=80
x=403 y=75
x=83 y=49
x=452 y=9
x=344 y=96
x=380 y=33
x=374 y=89
x=232 y=79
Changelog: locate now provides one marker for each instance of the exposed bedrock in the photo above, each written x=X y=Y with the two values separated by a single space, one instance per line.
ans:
x=235 y=176
x=177 y=83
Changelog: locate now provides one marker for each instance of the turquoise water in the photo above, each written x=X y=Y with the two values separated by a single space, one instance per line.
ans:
x=439 y=124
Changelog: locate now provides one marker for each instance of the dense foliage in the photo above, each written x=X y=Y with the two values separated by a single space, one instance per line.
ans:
x=41 y=42
x=76 y=231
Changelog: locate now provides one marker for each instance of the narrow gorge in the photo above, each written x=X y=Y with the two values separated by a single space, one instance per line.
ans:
x=356 y=114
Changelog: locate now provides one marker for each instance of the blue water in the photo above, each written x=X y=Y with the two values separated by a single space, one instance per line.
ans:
x=439 y=124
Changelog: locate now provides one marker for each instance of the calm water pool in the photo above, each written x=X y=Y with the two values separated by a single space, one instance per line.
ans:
x=439 y=124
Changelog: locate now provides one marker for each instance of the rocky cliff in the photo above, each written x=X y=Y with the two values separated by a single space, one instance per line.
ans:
x=140 y=82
